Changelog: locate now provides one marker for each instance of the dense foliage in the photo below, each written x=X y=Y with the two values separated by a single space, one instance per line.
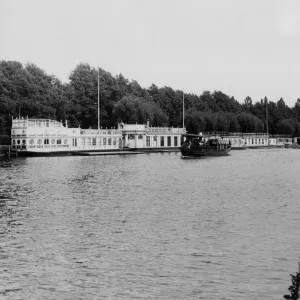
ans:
x=29 y=91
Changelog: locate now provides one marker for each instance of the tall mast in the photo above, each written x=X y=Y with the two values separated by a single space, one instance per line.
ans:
x=183 y=109
x=98 y=103
x=267 y=117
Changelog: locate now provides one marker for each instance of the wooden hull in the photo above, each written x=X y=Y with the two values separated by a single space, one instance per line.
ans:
x=200 y=152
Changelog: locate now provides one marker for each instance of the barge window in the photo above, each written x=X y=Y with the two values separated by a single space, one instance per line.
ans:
x=114 y=142
x=46 y=141
x=162 y=141
x=23 y=142
x=104 y=141
x=94 y=141
x=169 y=141
x=175 y=141
x=109 y=141
x=31 y=141
x=88 y=141
x=58 y=142
x=148 y=141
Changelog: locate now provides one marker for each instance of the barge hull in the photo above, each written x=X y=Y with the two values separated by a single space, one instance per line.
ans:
x=70 y=153
x=202 y=153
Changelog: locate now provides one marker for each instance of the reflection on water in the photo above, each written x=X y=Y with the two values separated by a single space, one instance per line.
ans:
x=151 y=226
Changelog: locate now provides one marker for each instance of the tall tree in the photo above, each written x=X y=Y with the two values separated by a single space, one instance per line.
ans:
x=195 y=121
x=131 y=109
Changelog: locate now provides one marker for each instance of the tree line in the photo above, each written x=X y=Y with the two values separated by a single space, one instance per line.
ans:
x=29 y=91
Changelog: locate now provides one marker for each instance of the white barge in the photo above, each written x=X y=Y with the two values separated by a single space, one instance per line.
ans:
x=33 y=137
x=41 y=137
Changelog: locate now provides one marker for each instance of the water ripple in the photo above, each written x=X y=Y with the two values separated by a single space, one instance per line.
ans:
x=151 y=226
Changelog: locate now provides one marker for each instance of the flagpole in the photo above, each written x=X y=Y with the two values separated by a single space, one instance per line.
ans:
x=183 y=109
x=98 y=103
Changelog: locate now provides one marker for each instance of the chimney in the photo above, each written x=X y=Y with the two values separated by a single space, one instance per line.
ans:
x=66 y=123
x=148 y=123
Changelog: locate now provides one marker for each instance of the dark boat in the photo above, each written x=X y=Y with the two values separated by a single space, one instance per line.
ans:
x=196 y=146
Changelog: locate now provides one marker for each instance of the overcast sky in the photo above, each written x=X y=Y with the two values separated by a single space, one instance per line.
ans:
x=243 y=48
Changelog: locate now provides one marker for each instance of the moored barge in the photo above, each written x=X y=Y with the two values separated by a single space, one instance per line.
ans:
x=43 y=137
x=39 y=137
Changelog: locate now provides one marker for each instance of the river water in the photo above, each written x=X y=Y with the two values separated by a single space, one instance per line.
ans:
x=150 y=226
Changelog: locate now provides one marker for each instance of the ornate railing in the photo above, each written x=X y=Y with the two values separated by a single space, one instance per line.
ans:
x=165 y=130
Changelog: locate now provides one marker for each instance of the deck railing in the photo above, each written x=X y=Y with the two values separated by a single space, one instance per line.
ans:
x=35 y=123
x=173 y=130
x=100 y=132
x=237 y=134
